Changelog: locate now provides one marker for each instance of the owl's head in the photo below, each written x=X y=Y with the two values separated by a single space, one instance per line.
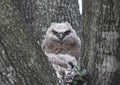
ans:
x=60 y=32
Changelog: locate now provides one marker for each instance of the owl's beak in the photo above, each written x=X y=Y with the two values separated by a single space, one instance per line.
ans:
x=61 y=36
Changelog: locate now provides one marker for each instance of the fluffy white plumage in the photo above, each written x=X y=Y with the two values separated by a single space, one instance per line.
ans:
x=62 y=46
x=62 y=60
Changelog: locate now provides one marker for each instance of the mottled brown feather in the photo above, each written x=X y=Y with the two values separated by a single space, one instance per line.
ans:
x=70 y=48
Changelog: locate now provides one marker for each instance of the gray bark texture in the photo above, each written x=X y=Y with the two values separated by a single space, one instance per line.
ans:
x=21 y=60
x=101 y=51
x=23 y=24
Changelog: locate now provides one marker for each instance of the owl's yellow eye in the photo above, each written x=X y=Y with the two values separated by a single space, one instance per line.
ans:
x=54 y=32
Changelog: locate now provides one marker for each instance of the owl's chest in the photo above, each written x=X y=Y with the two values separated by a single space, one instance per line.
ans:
x=63 y=48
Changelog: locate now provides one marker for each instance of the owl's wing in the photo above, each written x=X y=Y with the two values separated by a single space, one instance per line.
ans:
x=71 y=60
x=54 y=59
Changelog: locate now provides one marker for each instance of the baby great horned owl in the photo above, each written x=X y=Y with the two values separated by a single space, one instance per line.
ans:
x=62 y=45
x=61 y=38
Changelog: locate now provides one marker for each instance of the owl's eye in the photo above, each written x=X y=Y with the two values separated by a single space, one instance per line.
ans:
x=54 y=32
x=67 y=32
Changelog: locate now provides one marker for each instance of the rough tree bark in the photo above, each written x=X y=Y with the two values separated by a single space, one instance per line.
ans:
x=22 y=26
x=101 y=31
x=21 y=61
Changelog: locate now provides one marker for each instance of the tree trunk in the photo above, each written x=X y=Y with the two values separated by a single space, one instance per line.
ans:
x=21 y=60
x=101 y=31
x=22 y=26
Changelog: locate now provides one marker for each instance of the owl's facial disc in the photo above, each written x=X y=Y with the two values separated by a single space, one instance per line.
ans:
x=61 y=35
